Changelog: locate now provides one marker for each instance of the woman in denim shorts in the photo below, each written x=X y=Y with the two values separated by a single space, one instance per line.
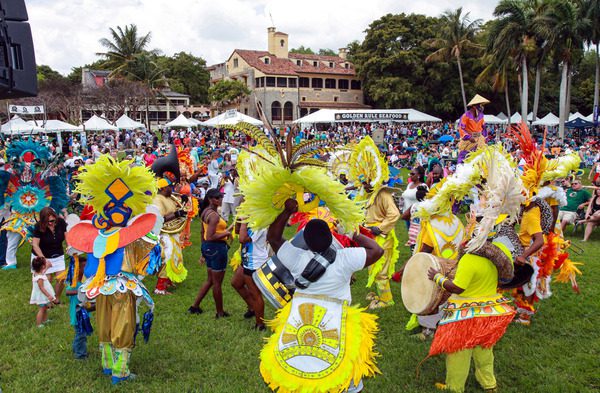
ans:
x=214 y=250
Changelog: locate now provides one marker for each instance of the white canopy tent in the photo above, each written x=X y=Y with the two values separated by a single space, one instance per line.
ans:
x=530 y=117
x=181 y=122
x=491 y=119
x=127 y=123
x=408 y=115
x=550 y=120
x=576 y=115
x=16 y=125
x=516 y=118
x=230 y=117
x=96 y=123
x=57 y=126
x=502 y=116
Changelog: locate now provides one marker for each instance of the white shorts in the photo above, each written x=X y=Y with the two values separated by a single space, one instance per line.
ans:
x=567 y=216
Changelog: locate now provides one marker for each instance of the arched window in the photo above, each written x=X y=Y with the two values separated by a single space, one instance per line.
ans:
x=288 y=111
x=276 y=111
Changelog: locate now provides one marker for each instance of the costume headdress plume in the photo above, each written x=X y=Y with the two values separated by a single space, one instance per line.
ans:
x=368 y=165
x=167 y=164
x=536 y=164
x=289 y=171
x=502 y=192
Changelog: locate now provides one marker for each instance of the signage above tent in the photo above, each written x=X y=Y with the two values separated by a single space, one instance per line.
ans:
x=26 y=110
x=373 y=116
x=230 y=113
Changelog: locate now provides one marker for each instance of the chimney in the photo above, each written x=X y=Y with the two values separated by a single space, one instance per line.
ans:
x=278 y=43
x=343 y=53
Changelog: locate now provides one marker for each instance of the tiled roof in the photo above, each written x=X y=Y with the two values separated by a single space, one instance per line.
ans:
x=278 y=66
x=332 y=105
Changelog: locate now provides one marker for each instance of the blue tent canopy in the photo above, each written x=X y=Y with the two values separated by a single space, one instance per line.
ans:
x=446 y=138
x=579 y=123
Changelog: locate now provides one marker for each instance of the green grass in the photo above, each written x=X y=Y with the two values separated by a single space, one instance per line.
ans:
x=558 y=353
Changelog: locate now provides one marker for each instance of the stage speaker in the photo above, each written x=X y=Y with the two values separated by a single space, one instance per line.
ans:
x=18 y=71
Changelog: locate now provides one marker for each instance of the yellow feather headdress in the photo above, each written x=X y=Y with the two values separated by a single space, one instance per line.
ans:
x=368 y=165
x=107 y=175
x=285 y=171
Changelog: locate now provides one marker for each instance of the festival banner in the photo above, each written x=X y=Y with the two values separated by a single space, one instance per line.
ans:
x=26 y=110
x=370 y=116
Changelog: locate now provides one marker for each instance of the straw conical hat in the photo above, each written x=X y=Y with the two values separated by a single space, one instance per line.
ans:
x=478 y=100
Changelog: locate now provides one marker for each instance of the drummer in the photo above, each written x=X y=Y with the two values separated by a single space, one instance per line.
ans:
x=322 y=278
x=461 y=335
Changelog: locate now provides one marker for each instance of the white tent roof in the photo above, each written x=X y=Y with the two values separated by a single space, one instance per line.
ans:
x=181 y=121
x=127 y=123
x=530 y=117
x=516 y=118
x=491 y=119
x=502 y=116
x=329 y=116
x=231 y=117
x=320 y=116
x=550 y=120
x=575 y=115
x=16 y=125
x=96 y=123
x=57 y=125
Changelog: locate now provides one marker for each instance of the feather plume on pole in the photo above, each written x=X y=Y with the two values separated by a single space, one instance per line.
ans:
x=503 y=194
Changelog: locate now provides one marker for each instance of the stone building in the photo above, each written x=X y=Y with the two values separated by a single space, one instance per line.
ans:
x=290 y=85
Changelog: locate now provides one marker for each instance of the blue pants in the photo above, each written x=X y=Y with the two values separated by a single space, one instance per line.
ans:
x=80 y=345
x=3 y=244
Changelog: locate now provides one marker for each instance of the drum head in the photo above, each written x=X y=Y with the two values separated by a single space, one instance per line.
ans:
x=418 y=291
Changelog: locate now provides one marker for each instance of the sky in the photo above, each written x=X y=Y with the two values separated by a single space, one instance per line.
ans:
x=66 y=33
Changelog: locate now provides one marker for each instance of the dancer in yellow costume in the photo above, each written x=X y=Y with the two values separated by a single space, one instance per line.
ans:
x=120 y=252
x=320 y=344
x=477 y=316
x=369 y=170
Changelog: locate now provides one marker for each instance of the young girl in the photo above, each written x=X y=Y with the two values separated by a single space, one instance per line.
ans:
x=42 y=292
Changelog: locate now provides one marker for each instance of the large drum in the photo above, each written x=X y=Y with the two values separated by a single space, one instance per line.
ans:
x=275 y=282
x=420 y=295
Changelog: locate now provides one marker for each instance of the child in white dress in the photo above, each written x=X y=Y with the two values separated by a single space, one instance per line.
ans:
x=42 y=292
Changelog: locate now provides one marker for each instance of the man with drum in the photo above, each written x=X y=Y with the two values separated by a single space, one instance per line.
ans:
x=320 y=342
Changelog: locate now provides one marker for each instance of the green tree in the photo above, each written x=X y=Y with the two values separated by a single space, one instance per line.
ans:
x=327 y=52
x=123 y=48
x=497 y=72
x=187 y=74
x=456 y=35
x=227 y=91
x=564 y=25
x=593 y=37
x=302 y=50
x=512 y=35
x=46 y=73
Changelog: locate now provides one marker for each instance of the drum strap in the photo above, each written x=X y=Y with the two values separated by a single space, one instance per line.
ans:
x=315 y=269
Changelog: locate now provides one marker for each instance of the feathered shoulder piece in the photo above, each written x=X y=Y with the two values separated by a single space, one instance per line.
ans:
x=454 y=187
x=368 y=165
x=109 y=181
x=561 y=167
x=27 y=150
x=503 y=194
x=536 y=164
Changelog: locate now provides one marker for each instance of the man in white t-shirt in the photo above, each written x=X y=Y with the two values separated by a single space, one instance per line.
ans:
x=335 y=281
x=213 y=170
x=320 y=303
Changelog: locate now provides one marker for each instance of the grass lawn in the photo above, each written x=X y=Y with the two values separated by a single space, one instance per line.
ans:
x=560 y=352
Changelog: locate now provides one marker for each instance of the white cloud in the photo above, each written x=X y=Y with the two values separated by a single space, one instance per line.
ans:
x=66 y=32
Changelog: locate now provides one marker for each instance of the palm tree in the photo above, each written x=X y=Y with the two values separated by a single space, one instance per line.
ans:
x=593 y=37
x=123 y=49
x=457 y=34
x=497 y=71
x=564 y=27
x=512 y=35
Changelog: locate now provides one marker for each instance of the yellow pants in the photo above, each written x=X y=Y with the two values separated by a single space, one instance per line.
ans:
x=458 y=365
x=116 y=316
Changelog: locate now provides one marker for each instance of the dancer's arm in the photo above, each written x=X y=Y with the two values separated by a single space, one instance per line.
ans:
x=275 y=231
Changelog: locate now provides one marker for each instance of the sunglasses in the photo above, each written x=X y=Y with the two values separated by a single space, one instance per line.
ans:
x=51 y=221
